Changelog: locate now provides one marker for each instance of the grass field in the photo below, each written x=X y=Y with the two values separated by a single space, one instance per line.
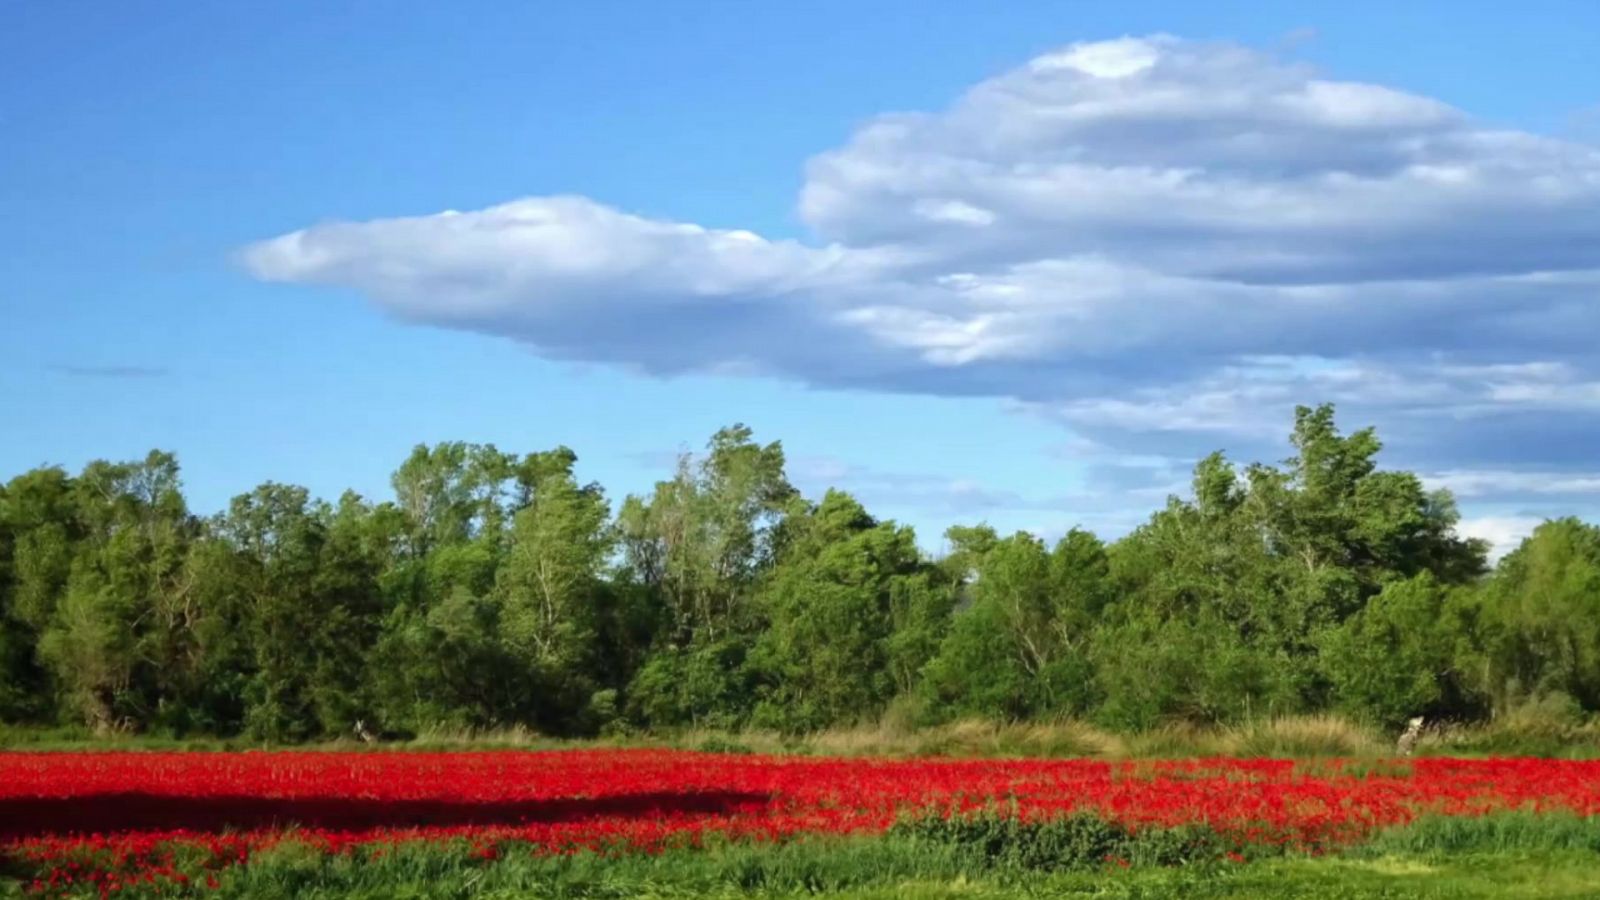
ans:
x=1542 y=864
x=895 y=867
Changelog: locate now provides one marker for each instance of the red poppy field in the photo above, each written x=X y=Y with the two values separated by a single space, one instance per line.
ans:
x=118 y=819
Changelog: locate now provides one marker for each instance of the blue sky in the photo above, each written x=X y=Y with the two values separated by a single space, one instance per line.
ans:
x=1034 y=301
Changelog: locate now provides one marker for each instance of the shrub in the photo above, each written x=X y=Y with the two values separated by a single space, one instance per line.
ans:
x=1080 y=840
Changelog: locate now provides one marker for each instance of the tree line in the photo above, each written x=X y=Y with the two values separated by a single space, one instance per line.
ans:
x=495 y=589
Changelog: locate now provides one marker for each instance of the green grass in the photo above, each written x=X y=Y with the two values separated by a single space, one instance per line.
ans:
x=1509 y=855
x=900 y=868
x=1499 y=834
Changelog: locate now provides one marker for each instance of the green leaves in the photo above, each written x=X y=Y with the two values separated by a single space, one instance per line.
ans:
x=703 y=538
x=497 y=589
x=1393 y=659
x=1539 y=614
x=834 y=601
x=1020 y=647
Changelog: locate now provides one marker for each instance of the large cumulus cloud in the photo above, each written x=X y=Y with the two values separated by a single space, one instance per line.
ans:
x=1161 y=243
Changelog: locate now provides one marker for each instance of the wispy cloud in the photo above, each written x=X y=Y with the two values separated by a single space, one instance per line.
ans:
x=1470 y=483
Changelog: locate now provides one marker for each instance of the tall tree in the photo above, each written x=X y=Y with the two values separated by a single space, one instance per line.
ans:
x=1396 y=657
x=703 y=537
x=1021 y=646
x=700 y=545
x=278 y=539
x=134 y=534
x=841 y=588
x=550 y=594
x=1538 y=618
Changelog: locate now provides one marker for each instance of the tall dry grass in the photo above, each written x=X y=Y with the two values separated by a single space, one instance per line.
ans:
x=1321 y=736
x=1530 y=730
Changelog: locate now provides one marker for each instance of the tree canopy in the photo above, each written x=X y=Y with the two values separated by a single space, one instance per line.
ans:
x=496 y=589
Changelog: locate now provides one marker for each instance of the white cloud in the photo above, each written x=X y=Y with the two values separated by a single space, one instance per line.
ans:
x=1504 y=533
x=534 y=256
x=954 y=211
x=1106 y=59
x=1467 y=483
x=1143 y=236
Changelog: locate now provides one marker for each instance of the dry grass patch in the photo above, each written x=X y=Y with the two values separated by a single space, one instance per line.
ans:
x=1306 y=736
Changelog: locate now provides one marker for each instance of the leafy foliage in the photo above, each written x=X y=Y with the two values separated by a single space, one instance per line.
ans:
x=1074 y=841
x=497 y=590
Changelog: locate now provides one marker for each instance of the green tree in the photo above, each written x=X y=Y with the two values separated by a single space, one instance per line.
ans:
x=704 y=537
x=200 y=642
x=843 y=588
x=42 y=527
x=1022 y=645
x=134 y=533
x=23 y=688
x=551 y=595
x=279 y=539
x=454 y=643
x=493 y=590
x=1331 y=508
x=700 y=546
x=1259 y=569
x=706 y=685
x=453 y=491
x=1195 y=669
x=307 y=575
x=349 y=606
x=439 y=659
x=1395 y=658
x=1202 y=627
x=1539 y=615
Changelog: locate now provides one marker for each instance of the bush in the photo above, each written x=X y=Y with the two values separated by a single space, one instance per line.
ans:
x=1081 y=840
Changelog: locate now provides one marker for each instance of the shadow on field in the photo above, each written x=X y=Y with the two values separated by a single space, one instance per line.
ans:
x=103 y=813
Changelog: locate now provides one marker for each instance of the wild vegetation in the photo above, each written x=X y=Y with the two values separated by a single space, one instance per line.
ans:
x=496 y=591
